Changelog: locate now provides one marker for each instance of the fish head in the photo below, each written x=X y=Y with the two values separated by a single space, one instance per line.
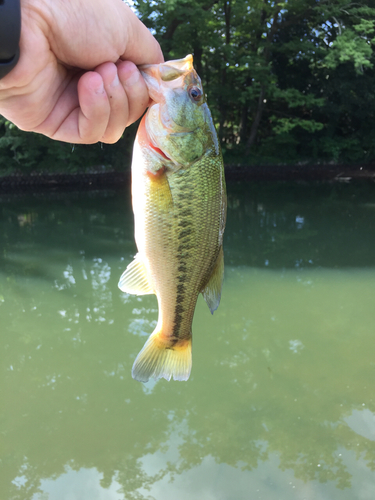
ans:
x=178 y=122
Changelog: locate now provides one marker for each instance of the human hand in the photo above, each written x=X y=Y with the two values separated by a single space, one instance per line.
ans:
x=76 y=79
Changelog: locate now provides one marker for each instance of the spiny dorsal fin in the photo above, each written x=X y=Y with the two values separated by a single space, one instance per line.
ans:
x=212 y=291
x=134 y=279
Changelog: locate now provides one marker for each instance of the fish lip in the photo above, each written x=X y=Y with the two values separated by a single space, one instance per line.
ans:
x=153 y=146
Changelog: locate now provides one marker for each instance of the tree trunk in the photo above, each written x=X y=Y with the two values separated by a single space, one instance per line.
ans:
x=260 y=106
x=197 y=53
x=222 y=103
x=256 y=122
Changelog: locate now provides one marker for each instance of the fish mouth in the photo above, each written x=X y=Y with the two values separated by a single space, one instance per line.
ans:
x=169 y=74
x=152 y=143
x=169 y=70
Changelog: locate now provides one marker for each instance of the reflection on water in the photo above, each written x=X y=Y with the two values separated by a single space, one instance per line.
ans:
x=280 y=404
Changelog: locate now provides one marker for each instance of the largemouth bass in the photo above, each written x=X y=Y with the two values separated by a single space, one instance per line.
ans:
x=179 y=205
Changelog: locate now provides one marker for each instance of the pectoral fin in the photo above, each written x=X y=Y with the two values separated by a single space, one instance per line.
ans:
x=161 y=190
x=212 y=291
x=134 y=279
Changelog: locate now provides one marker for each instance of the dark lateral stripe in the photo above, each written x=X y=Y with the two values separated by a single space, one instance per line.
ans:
x=179 y=309
x=177 y=324
x=182 y=248
x=185 y=223
x=184 y=215
x=184 y=233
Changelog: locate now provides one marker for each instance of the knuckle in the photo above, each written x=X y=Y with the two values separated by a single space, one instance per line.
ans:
x=111 y=138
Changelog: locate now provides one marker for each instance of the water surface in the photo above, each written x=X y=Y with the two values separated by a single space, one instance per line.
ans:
x=280 y=403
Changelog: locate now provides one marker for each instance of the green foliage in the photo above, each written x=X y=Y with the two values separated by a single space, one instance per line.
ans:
x=352 y=48
x=29 y=152
x=286 y=82
x=286 y=125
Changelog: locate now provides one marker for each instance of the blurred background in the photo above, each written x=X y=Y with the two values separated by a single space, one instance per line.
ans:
x=287 y=83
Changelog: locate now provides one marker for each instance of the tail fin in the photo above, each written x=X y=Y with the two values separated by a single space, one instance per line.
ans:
x=158 y=360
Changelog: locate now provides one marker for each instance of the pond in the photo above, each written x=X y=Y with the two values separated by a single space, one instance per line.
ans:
x=280 y=403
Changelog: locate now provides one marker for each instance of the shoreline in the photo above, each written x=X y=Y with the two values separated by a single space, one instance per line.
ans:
x=102 y=180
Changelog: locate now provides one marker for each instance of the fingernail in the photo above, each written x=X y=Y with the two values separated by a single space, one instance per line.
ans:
x=115 y=81
x=132 y=78
x=100 y=88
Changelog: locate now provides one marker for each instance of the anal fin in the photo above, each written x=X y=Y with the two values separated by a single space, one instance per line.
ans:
x=212 y=291
x=134 y=279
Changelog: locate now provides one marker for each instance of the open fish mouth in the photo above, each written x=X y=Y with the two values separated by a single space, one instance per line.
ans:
x=158 y=77
x=170 y=69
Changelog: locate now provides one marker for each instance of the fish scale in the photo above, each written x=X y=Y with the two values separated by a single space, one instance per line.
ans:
x=179 y=204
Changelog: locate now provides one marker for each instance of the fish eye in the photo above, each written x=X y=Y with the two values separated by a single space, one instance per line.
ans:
x=195 y=93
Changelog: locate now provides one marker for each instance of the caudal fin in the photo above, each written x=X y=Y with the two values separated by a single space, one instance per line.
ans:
x=158 y=360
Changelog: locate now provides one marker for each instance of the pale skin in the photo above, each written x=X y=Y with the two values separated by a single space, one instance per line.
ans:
x=77 y=79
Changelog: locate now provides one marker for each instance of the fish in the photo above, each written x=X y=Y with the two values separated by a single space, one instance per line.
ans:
x=179 y=204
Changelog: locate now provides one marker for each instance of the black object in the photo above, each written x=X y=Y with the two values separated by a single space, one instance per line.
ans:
x=10 y=30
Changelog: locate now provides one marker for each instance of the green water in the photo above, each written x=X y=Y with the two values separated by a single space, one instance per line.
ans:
x=280 y=403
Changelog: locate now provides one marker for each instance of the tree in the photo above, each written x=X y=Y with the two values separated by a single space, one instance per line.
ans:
x=268 y=67
x=286 y=82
